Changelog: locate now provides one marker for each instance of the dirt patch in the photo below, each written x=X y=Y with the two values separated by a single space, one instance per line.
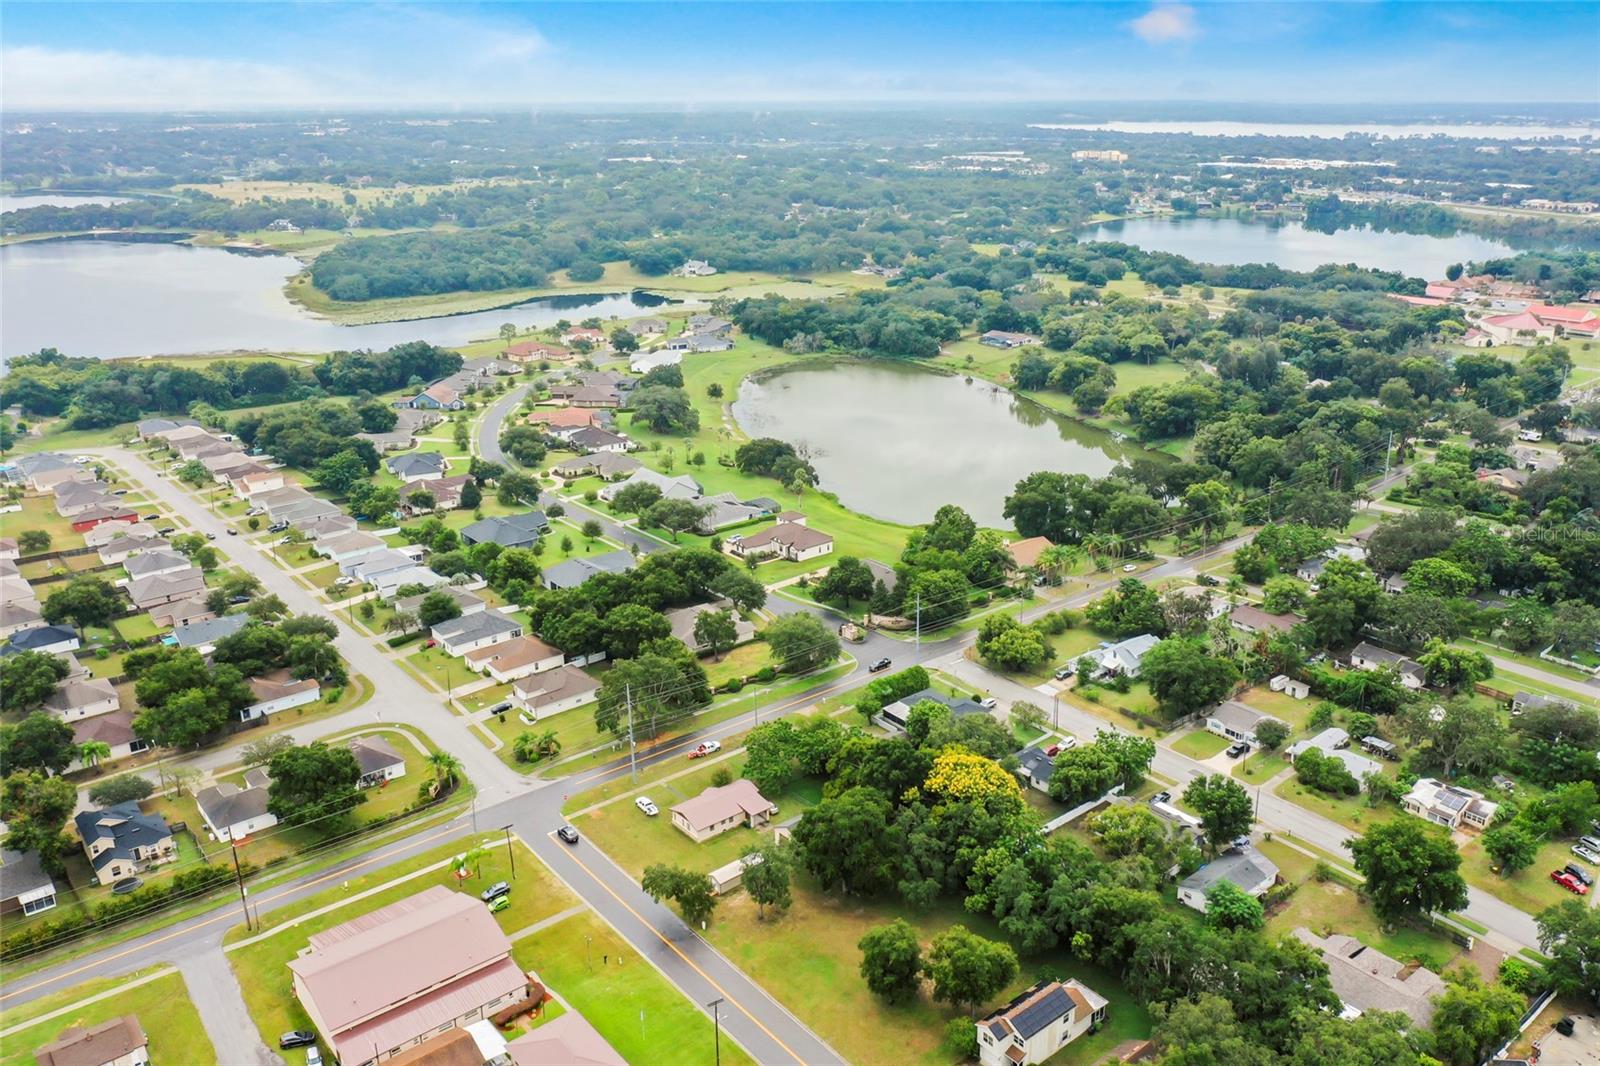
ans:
x=1485 y=959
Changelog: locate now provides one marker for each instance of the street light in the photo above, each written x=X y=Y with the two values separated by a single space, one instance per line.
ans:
x=716 y=1022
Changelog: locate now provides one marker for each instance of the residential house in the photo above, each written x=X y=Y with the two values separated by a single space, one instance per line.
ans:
x=1035 y=768
x=394 y=440
x=202 y=635
x=388 y=582
x=416 y=466
x=456 y=636
x=1000 y=338
x=278 y=691
x=440 y=396
x=558 y=421
x=46 y=480
x=121 y=840
x=347 y=546
x=150 y=563
x=606 y=465
x=97 y=516
x=54 y=639
x=595 y=439
x=597 y=396
x=369 y=565
x=721 y=808
x=24 y=886
x=17 y=615
x=378 y=760
x=1366 y=656
x=1506 y=478
x=1247 y=618
x=304 y=511
x=324 y=526
x=1039 y=1022
x=74 y=498
x=508 y=531
x=695 y=268
x=793 y=541
x=204 y=448
x=153 y=591
x=233 y=813
x=114 y=730
x=1448 y=805
x=537 y=352
x=117 y=1042
x=1365 y=979
x=708 y=325
x=1528 y=701
x=647 y=327
x=148 y=428
x=118 y=550
x=553 y=691
x=9 y=549
x=386 y=981
x=683 y=621
x=469 y=602
x=571 y=573
x=178 y=612
x=1235 y=721
x=1123 y=657
x=251 y=485
x=74 y=700
x=699 y=342
x=568 y=1038
x=446 y=491
x=231 y=465
x=1246 y=868
x=681 y=487
x=103 y=535
x=1533 y=459
x=1025 y=553
x=893 y=717
x=512 y=659
x=587 y=334
x=1333 y=742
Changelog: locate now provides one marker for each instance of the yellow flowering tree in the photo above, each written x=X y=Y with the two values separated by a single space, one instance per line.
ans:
x=960 y=775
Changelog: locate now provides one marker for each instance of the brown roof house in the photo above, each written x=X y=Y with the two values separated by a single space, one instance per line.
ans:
x=721 y=808
x=787 y=540
x=569 y=1040
x=1026 y=553
x=118 y=1042
x=1039 y=1022
x=160 y=589
x=1366 y=979
x=388 y=980
x=513 y=659
x=553 y=691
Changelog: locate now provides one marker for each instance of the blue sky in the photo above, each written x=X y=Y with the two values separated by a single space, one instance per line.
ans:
x=143 y=56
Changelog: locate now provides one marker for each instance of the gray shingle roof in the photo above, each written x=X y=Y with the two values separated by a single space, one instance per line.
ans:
x=127 y=828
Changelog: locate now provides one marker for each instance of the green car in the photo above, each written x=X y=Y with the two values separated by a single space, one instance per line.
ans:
x=500 y=904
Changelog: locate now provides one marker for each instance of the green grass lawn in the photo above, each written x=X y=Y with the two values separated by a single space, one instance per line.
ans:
x=636 y=840
x=742 y=661
x=622 y=995
x=808 y=959
x=39 y=512
x=1285 y=708
x=163 y=1007
x=442 y=669
x=1529 y=890
x=1351 y=812
x=1111 y=705
x=1259 y=766
x=1200 y=744
x=262 y=967
x=136 y=629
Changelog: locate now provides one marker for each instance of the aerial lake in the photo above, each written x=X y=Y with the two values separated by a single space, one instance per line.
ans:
x=1293 y=247
x=897 y=442
x=109 y=299
x=23 y=201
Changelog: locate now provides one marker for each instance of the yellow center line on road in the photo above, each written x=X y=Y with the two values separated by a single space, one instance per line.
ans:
x=679 y=952
x=225 y=916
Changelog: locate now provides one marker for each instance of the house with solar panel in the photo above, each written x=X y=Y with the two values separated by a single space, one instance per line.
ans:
x=1039 y=1022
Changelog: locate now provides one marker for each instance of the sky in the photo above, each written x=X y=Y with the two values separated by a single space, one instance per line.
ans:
x=65 y=56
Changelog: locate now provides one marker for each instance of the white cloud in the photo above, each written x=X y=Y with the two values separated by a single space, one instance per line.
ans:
x=1166 y=23
x=62 y=79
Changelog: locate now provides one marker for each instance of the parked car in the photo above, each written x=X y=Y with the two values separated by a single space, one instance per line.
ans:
x=1064 y=672
x=167 y=531
x=567 y=833
x=989 y=703
x=495 y=891
x=645 y=804
x=1568 y=882
x=881 y=664
x=1207 y=580
x=154 y=516
x=500 y=708
x=1579 y=872
x=237 y=600
x=1236 y=750
x=430 y=643
x=1592 y=843
x=255 y=511
x=119 y=492
x=297 y=1038
x=707 y=748
x=1128 y=568
x=1161 y=797
x=211 y=536
x=277 y=527
x=1588 y=855
x=233 y=532
x=313 y=1056
x=500 y=904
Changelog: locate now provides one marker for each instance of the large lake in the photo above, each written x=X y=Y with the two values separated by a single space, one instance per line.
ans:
x=1293 y=247
x=897 y=442
x=109 y=299
x=23 y=201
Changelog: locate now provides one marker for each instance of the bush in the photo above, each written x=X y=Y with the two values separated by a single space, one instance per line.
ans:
x=1324 y=872
x=733 y=686
x=1520 y=977
x=555 y=510
x=722 y=776
x=765 y=674
x=405 y=638
x=961 y=1038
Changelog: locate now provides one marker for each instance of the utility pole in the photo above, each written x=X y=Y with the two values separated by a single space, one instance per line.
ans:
x=633 y=753
x=919 y=625
x=1387 y=451
x=511 y=851
x=716 y=1023
x=238 y=878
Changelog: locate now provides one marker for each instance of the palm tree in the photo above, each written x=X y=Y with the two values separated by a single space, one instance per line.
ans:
x=466 y=864
x=549 y=744
x=1059 y=558
x=445 y=767
x=90 y=752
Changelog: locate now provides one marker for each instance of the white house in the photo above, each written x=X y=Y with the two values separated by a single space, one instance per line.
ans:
x=74 y=700
x=1249 y=870
x=1334 y=743
x=1039 y=1023
x=1235 y=721
x=457 y=636
x=721 y=808
x=1448 y=805
x=553 y=691
x=348 y=546
x=114 y=730
x=511 y=659
x=1366 y=656
x=378 y=760
x=278 y=691
x=233 y=813
x=149 y=563
x=1125 y=656
x=791 y=540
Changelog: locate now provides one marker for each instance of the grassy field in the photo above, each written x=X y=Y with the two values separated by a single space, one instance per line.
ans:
x=1199 y=745
x=807 y=958
x=1529 y=890
x=1285 y=708
x=162 y=1006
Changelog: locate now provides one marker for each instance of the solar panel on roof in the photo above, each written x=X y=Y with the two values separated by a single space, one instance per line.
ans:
x=1047 y=1009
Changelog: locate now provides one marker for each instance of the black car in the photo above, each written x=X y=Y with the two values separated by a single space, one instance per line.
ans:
x=495 y=891
x=881 y=664
x=1565 y=1026
x=1580 y=873
x=297 y=1038
x=567 y=833
x=1238 y=749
